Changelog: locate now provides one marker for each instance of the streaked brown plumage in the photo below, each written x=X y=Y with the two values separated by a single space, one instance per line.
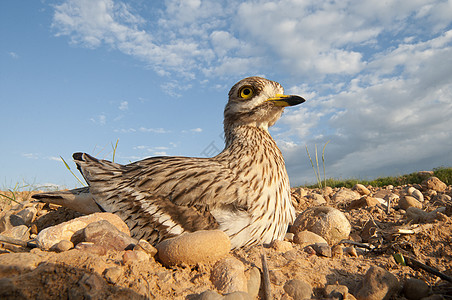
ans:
x=243 y=191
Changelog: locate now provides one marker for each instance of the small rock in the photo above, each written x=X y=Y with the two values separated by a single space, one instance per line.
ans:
x=335 y=291
x=209 y=295
x=228 y=275
x=345 y=195
x=337 y=251
x=112 y=274
x=306 y=238
x=309 y=250
x=27 y=215
x=21 y=232
x=408 y=201
x=365 y=201
x=433 y=183
x=146 y=247
x=350 y=251
x=91 y=248
x=62 y=246
x=254 y=283
x=34 y=229
x=327 y=191
x=316 y=199
x=298 y=289
x=289 y=237
x=300 y=191
x=281 y=246
x=202 y=246
x=361 y=189
x=378 y=284
x=416 y=194
x=322 y=249
x=328 y=222
x=73 y=229
x=103 y=233
x=133 y=256
x=417 y=215
x=441 y=199
x=415 y=289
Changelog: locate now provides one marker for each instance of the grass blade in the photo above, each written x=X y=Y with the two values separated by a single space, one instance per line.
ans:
x=67 y=166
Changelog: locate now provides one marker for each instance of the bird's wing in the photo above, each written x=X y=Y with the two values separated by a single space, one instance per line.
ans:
x=176 y=193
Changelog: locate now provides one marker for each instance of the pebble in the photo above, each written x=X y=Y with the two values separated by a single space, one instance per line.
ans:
x=365 y=201
x=305 y=238
x=281 y=246
x=134 y=256
x=202 y=246
x=345 y=195
x=209 y=295
x=298 y=289
x=322 y=249
x=103 y=233
x=91 y=248
x=289 y=237
x=62 y=246
x=337 y=251
x=254 y=282
x=67 y=230
x=335 y=291
x=328 y=222
x=415 y=289
x=408 y=201
x=327 y=191
x=378 y=284
x=433 y=183
x=350 y=251
x=300 y=191
x=417 y=215
x=27 y=215
x=228 y=275
x=112 y=274
x=21 y=232
x=146 y=247
x=316 y=199
x=416 y=193
x=361 y=189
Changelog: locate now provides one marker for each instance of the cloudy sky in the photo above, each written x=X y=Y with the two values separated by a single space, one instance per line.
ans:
x=79 y=75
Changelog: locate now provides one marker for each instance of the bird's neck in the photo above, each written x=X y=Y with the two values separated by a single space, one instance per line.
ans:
x=253 y=147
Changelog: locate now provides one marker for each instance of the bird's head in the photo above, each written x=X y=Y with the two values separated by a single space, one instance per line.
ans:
x=257 y=101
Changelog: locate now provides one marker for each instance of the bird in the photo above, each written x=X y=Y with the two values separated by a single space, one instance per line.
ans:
x=243 y=191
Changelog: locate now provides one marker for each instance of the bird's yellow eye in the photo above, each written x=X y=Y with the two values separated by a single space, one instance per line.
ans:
x=246 y=92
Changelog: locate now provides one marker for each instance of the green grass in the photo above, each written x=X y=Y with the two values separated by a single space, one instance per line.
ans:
x=443 y=173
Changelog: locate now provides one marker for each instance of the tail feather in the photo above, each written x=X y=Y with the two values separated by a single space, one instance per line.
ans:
x=79 y=200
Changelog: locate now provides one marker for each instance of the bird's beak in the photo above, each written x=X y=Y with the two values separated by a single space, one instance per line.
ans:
x=286 y=100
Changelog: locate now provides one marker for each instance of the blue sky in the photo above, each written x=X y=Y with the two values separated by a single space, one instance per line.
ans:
x=78 y=75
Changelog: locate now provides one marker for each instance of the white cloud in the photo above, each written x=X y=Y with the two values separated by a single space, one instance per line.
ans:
x=124 y=105
x=54 y=158
x=154 y=130
x=30 y=155
x=13 y=54
x=99 y=119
